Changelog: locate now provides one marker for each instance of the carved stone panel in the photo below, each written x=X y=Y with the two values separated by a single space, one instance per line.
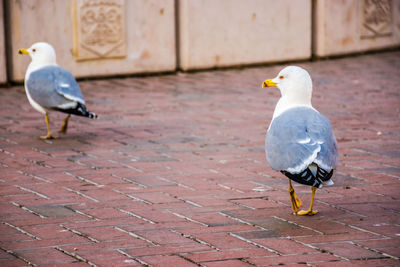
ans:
x=376 y=18
x=99 y=29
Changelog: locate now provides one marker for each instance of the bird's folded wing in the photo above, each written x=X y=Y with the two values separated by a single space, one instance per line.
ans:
x=298 y=137
x=54 y=87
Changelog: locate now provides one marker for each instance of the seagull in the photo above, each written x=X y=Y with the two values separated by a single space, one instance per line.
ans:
x=300 y=142
x=50 y=87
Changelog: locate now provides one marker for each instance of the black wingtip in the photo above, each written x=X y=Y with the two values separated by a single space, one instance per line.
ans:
x=307 y=177
x=79 y=110
x=92 y=115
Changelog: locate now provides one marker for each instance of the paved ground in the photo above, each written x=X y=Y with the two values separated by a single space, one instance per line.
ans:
x=174 y=174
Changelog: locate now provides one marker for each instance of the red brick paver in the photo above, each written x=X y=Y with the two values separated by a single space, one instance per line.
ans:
x=173 y=173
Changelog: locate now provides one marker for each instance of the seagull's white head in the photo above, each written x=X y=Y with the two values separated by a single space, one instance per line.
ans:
x=41 y=53
x=296 y=88
x=291 y=80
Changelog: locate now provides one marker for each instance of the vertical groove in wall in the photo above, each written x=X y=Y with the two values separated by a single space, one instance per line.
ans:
x=313 y=28
x=5 y=16
x=177 y=36
x=7 y=38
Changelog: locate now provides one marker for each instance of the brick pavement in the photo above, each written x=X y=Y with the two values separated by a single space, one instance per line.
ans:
x=174 y=173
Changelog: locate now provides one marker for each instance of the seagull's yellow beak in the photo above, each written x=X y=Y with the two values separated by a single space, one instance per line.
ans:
x=269 y=83
x=23 y=51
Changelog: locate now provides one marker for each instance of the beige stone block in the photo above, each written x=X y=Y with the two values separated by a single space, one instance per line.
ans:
x=235 y=32
x=96 y=37
x=3 y=71
x=351 y=26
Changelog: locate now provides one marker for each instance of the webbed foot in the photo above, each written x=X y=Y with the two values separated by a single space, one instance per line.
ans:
x=310 y=211
x=307 y=212
x=48 y=136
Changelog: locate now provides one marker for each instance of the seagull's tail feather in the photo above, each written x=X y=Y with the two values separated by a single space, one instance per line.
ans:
x=93 y=115
x=313 y=175
x=79 y=110
x=82 y=111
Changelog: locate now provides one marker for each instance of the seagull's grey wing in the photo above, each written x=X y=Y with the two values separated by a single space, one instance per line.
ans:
x=54 y=87
x=299 y=137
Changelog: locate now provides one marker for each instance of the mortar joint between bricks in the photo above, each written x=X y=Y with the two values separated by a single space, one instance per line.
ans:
x=27 y=209
x=22 y=231
x=299 y=225
x=82 y=213
x=188 y=218
x=133 y=197
x=341 y=209
x=316 y=248
x=79 y=233
x=7 y=152
x=189 y=260
x=75 y=256
x=255 y=244
x=375 y=250
x=16 y=255
x=35 y=176
x=42 y=152
x=243 y=221
x=135 y=235
x=191 y=237
x=40 y=163
x=136 y=216
x=247 y=262
x=134 y=258
x=82 y=178
x=80 y=194
x=32 y=191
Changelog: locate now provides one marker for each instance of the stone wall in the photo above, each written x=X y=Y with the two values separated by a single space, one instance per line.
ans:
x=121 y=37
x=96 y=37
x=236 y=32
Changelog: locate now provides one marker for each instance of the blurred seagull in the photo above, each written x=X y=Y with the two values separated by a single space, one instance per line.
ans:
x=50 y=87
x=300 y=142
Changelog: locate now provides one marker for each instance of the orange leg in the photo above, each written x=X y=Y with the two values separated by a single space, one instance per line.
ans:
x=48 y=136
x=64 y=126
x=310 y=211
x=294 y=199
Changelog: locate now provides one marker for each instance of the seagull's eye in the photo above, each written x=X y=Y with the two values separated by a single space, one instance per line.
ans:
x=281 y=77
x=33 y=50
